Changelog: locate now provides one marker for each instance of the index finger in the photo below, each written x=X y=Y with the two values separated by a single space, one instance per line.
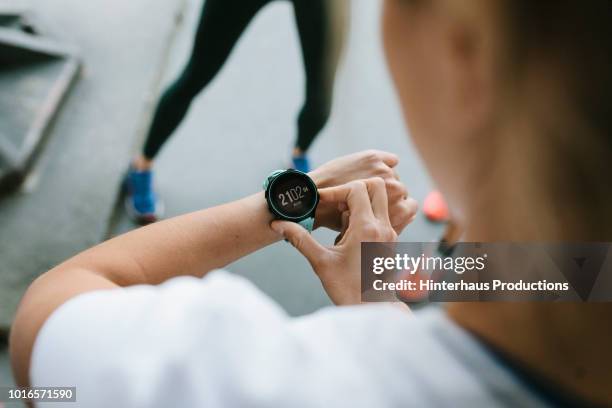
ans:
x=354 y=194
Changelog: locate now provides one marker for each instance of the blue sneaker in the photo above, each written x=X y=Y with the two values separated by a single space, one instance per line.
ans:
x=301 y=163
x=141 y=202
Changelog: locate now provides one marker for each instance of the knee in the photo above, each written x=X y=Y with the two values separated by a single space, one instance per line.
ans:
x=317 y=108
x=189 y=84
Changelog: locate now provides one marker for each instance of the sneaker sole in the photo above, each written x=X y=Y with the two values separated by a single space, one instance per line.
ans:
x=143 y=219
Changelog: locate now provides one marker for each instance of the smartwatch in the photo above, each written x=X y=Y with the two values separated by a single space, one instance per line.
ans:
x=292 y=196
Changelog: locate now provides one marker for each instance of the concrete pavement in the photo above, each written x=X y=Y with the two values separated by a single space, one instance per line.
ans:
x=65 y=204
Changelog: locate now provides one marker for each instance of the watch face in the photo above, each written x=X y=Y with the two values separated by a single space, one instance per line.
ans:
x=293 y=194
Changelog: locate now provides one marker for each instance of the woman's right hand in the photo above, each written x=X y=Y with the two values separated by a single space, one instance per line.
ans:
x=365 y=220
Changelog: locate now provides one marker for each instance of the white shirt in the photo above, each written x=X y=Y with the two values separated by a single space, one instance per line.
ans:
x=220 y=342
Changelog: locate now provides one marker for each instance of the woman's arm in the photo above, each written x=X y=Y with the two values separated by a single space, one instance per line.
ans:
x=191 y=244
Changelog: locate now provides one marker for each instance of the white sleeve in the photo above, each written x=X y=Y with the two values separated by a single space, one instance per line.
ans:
x=207 y=342
x=215 y=342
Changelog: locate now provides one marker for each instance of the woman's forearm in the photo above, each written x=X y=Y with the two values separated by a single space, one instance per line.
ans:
x=192 y=244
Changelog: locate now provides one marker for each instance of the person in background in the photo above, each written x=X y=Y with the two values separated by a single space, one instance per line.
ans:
x=508 y=103
x=321 y=26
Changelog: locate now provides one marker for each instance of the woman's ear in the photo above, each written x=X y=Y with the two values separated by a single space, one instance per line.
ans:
x=470 y=70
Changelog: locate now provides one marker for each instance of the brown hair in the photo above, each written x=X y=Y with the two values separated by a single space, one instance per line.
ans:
x=574 y=39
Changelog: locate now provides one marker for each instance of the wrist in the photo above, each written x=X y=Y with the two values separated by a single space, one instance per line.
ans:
x=292 y=195
x=325 y=214
x=319 y=179
x=260 y=217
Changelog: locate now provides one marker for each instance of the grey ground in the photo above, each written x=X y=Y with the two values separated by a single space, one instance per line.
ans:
x=237 y=131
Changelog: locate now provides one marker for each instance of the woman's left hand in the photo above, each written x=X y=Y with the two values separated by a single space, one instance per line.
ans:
x=364 y=165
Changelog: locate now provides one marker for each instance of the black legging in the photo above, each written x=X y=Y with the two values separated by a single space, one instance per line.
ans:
x=221 y=25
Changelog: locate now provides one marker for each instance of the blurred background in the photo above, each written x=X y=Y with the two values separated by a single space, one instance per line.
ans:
x=78 y=83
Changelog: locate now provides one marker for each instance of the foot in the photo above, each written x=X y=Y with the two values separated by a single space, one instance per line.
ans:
x=301 y=163
x=435 y=207
x=141 y=202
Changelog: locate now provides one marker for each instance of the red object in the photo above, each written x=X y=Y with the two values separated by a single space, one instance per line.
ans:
x=418 y=294
x=435 y=207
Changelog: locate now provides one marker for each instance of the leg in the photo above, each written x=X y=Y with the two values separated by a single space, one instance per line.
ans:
x=322 y=28
x=221 y=24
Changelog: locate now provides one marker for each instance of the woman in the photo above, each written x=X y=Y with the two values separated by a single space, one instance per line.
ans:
x=507 y=102
x=321 y=25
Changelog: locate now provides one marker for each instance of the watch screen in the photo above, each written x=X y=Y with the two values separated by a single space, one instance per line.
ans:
x=293 y=194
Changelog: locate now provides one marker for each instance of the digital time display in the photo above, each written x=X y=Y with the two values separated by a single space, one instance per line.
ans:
x=293 y=194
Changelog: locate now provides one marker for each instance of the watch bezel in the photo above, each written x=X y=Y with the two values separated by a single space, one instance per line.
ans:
x=277 y=213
